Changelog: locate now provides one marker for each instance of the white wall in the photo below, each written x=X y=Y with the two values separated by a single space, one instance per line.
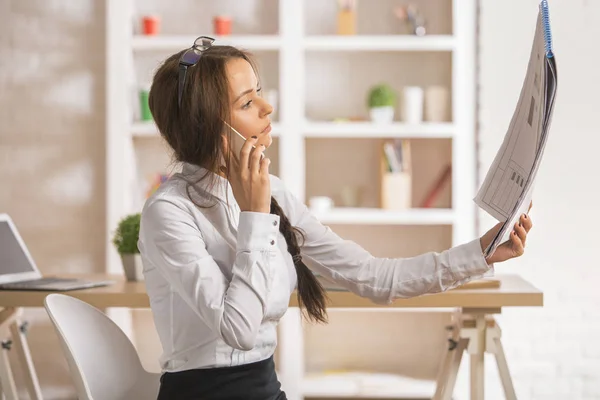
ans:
x=554 y=352
x=52 y=150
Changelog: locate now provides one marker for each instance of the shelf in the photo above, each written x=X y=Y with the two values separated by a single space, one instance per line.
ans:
x=380 y=43
x=148 y=129
x=366 y=385
x=369 y=130
x=180 y=42
x=331 y=42
x=377 y=216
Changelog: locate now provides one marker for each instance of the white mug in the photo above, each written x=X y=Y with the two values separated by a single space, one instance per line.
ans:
x=412 y=104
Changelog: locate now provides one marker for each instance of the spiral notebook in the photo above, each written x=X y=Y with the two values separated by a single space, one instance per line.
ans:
x=508 y=186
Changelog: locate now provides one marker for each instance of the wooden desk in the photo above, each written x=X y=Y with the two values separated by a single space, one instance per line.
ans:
x=514 y=291
x=475 y=329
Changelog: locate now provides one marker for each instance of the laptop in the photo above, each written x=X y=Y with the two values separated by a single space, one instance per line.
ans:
x=18 y=271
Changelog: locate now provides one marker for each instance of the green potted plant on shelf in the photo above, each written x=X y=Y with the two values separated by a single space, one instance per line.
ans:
x=125 y=240
x=382 y=102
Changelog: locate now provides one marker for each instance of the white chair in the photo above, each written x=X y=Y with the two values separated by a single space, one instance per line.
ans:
x=103 y=362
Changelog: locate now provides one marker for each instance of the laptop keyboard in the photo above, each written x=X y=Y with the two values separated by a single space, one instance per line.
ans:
x=37 y=282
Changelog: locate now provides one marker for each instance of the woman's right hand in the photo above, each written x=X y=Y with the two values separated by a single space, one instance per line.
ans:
x=515 y=246
x=249 y=178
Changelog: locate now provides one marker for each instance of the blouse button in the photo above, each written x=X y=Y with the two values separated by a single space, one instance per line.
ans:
x=274 y=223
x=272 y=242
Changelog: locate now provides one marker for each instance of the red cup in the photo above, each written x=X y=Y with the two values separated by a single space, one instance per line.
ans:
x=222 y=25
x=150 y=25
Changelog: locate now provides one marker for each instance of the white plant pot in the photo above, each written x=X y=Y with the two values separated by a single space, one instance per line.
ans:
x=382 y=115
x=132 y=265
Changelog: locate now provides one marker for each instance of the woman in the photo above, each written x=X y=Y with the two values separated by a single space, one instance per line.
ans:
x=224 y=244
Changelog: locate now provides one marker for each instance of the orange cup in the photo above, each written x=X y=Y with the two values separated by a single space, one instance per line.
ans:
x=222 y=25
x=150 y=25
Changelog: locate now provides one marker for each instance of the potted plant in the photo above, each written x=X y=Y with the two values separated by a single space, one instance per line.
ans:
x=382 y=102
x=125 y=239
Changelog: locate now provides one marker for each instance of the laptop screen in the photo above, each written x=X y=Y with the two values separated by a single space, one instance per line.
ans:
x=12 y=258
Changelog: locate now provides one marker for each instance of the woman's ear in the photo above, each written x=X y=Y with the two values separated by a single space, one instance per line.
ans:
x=228 y=153
x=224 y=146
x=224 y=143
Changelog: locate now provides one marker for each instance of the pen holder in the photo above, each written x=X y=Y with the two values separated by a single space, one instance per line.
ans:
x=396 y=190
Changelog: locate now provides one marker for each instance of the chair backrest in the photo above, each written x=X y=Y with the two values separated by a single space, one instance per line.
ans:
x=103 y=362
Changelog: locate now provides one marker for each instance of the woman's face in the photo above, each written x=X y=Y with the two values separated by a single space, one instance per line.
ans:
x=249 y=111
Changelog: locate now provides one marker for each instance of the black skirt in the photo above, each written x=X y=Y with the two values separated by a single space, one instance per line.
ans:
x=254 y=381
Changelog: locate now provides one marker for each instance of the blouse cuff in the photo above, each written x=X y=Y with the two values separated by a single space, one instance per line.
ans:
x=257 y=231
x=467 y=260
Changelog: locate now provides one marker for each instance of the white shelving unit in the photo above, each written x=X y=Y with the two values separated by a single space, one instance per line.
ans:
x=293 y=47
x=176 y=43
x=379 y=43
x=367 y=129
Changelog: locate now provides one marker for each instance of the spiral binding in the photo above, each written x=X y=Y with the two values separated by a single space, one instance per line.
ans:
x=546 y=26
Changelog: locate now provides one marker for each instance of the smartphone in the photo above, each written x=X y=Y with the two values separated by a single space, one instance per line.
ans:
x=237 y=142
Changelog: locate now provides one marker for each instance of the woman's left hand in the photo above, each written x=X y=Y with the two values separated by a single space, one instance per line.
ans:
x=512 y=248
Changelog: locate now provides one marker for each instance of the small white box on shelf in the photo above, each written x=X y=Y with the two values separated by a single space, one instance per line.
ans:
x=437 y=104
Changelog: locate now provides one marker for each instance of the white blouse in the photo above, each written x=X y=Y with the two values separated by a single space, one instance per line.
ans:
x=219 y=279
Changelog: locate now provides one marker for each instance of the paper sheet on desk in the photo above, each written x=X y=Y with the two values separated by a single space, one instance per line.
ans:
x=508 y=186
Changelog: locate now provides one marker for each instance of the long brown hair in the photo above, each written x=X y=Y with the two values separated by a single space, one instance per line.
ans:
x=195 y=133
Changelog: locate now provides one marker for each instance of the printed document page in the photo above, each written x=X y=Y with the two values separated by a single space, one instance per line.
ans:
x=506 y=191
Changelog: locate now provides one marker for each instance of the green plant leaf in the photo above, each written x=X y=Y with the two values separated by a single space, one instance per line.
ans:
x=381 y=95
x=126 y=236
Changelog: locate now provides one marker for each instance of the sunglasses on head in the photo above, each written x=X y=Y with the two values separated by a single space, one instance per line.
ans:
x=190 y=58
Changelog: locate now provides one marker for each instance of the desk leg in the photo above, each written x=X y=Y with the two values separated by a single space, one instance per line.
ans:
x=449 y=372
x=18 y=333
x=477 y=352
x=494 y=345
x=454 y=367
x=6 y=377
x=442 y=377
x=10 y=324
x=444 y=386
x=478 y=334
x=7 y=381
